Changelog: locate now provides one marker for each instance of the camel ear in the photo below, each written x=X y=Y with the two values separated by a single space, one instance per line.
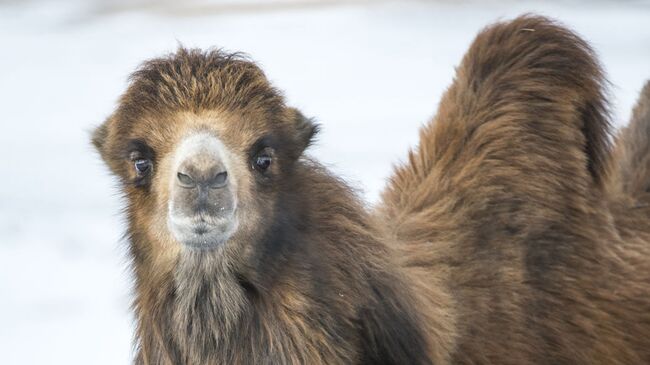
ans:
x=305 y=129
x=99 y=139
x=99 y=136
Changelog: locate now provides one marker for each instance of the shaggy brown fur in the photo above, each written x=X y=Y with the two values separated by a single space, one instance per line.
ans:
x=504 y=195
x=502 y=240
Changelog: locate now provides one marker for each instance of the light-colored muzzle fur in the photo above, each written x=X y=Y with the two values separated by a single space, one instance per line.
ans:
x=203 y=201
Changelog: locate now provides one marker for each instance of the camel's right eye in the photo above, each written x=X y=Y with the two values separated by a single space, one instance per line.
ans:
x=141 y=158
x=142 y=166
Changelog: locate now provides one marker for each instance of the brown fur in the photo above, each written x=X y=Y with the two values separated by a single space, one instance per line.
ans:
x=505 y=194
x=506 y=238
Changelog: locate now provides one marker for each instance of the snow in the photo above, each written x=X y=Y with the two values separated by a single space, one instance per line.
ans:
x=371 y=72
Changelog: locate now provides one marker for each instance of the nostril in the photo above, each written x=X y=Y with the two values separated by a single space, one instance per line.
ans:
x=219 y=180
x=185 y=180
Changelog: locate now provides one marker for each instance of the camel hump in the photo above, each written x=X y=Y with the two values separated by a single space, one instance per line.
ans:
x=524 y=120
x=533 y=79
x=523 y=130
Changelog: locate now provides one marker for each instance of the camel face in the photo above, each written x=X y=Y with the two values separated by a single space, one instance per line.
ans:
x=203 y=180
x=218 y=179
x=201 y=163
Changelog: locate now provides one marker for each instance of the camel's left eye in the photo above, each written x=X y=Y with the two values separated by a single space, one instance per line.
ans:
x=142 y=166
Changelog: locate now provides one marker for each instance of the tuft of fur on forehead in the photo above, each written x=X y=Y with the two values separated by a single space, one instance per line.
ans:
x=197 y=80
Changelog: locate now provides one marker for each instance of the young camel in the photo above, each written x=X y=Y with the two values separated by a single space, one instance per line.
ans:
x=510 y=236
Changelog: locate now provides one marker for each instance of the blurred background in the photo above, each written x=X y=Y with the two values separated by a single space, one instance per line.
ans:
x=371 y=72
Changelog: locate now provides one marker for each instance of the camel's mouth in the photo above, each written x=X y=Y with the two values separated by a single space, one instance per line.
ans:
x=202 y=232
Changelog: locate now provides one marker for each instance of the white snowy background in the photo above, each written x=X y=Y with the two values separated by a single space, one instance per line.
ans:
x=371 y=72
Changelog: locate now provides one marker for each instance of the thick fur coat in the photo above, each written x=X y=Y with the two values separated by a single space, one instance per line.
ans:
x=513 y=234
x=505 y=196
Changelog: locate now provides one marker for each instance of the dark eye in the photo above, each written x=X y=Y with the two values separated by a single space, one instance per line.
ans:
x=262 y=161
x=142 y=166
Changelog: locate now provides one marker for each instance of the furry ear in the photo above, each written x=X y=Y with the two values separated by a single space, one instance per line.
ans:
x=99 y=136
x=305 y=130
x=101 y=140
